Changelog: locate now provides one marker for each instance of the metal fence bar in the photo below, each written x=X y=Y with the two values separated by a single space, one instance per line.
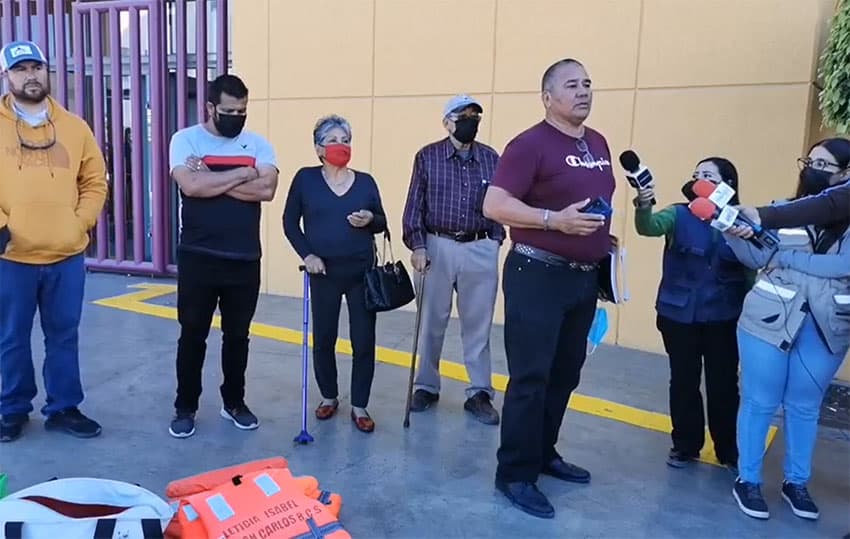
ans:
x=61 y=91
x=79 y=64
x=182 y=63
x=158 y=128
x=201 y=55
x=8 y=21
x=137 y=172
x=24 y=19
x=221 y=37
x=98 y=117
x=118 y=177
x=42 y=16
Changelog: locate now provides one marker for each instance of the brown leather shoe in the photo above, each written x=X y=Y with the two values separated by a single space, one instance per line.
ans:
x=363 y=424
x=327 y=411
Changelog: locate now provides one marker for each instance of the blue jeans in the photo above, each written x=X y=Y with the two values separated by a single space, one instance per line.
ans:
x=797 y=379
x=57 y=291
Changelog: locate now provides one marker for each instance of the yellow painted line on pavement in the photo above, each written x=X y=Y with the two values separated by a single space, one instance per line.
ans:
x=136 y=302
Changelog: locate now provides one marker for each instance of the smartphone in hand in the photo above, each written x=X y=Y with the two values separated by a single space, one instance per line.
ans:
x=598 y=206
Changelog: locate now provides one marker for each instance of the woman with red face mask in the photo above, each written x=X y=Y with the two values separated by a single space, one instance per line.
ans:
x=331 y=215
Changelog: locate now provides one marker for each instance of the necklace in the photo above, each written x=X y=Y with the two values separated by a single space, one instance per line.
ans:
x=348 y=177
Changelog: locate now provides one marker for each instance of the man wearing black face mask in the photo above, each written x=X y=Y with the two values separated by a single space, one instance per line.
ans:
x=224 y=173
x=458 y=247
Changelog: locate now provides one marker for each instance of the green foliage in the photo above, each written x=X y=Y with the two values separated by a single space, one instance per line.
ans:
x=835 y=72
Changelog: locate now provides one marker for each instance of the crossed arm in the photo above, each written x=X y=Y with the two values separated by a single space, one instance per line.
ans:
x=248 y=184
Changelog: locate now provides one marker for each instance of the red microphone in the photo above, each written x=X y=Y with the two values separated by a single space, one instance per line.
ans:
x=721 y=219
x=702 y=208
x=719 y=194
x=703 y=188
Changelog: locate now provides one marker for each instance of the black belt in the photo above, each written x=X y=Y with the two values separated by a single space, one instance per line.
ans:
x=551 y=258
x=462 y=237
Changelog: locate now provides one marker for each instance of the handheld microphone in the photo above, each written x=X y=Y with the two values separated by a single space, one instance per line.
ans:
x=718 y=193
x=639 y=176
x=722 y=219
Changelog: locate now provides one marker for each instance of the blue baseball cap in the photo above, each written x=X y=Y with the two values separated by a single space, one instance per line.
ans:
x=20 y=51
x=460 y=102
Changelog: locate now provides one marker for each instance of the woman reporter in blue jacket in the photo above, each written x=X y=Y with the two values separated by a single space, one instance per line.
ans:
x=699 y=300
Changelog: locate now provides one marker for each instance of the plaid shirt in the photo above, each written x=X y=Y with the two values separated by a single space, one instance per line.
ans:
x=446 y=193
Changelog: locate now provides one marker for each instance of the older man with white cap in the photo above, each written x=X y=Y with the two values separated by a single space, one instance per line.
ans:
x=458 y=248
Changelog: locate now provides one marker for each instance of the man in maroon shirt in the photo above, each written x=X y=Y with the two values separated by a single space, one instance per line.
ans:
x=544 y=178
x=459 y=248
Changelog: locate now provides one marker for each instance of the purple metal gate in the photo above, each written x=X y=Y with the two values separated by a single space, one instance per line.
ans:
x=136 y=78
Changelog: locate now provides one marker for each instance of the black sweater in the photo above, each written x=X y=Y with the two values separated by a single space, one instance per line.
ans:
x=326 y=231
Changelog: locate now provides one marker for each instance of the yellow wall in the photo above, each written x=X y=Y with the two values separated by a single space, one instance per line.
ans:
x=676 y=80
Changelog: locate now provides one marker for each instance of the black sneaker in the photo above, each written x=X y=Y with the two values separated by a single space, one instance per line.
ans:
x=679 y=459
x=750 y=500
x=73 y=422
x=480 y=407
x=798 y=498
x=11 y=426
x=422 y=400
x=183 y=424
x=241 y=417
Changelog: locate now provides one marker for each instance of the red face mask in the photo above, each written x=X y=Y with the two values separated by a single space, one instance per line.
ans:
x=338 y=155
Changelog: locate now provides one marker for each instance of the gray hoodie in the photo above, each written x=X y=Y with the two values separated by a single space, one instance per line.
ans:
x=793 y=282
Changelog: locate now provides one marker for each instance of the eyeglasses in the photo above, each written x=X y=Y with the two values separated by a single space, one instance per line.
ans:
x=817 y=164
x=40 y=145
x=581 y=145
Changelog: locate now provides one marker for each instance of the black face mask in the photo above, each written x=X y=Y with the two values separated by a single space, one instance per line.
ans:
x=688 y=190
x=466 y=129
x=814 y=181
x=229 y=125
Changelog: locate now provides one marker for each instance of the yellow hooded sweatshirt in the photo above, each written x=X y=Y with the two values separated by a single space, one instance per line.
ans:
x=49 y=198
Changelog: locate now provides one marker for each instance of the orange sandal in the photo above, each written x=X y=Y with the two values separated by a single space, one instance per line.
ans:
x=363 y=424
x=326 y=411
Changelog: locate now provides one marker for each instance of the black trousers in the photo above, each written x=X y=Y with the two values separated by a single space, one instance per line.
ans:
x=690 y=346
x=548 y=314
x=204 y=283
x=344 y=277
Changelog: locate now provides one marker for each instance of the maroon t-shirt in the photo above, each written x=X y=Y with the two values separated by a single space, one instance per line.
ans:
x=544 y=168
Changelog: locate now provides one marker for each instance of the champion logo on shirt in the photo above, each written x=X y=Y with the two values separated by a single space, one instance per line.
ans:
x=576 y=161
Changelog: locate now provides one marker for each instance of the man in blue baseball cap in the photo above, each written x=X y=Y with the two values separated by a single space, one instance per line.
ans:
x=52 y=190
x=16 y=53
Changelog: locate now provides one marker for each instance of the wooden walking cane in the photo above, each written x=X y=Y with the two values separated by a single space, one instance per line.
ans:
x=415 y=346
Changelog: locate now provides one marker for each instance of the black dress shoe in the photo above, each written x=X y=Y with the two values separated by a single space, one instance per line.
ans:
x=481 y=408
x=422 y=400
x=11 y=426
x=525 y=496
x=566 y=472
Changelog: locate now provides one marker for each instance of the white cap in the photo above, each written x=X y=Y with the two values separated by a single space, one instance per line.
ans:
x=460 y=102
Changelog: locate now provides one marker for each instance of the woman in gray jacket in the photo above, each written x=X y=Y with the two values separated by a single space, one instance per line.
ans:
x=793 y=334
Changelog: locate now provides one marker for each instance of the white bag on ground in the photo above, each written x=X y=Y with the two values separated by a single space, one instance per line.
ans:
x=84 y=508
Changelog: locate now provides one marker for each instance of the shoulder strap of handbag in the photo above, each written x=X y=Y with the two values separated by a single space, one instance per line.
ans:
x=151 y=529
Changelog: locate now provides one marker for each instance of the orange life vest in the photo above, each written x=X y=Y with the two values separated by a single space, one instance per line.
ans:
x=268 y=504
x=178 y=491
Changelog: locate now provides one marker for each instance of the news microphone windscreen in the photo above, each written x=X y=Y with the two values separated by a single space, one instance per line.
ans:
x=629 y=160
x=704 y=188
x=702 y=208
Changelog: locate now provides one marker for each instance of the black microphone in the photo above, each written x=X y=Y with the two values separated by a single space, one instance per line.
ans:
x=638 y=176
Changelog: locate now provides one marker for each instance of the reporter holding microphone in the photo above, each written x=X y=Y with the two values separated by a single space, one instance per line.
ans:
x=699 y=299
x=793 y=335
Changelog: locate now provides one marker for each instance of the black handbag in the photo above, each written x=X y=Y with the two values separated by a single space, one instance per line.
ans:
x=388 y=285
